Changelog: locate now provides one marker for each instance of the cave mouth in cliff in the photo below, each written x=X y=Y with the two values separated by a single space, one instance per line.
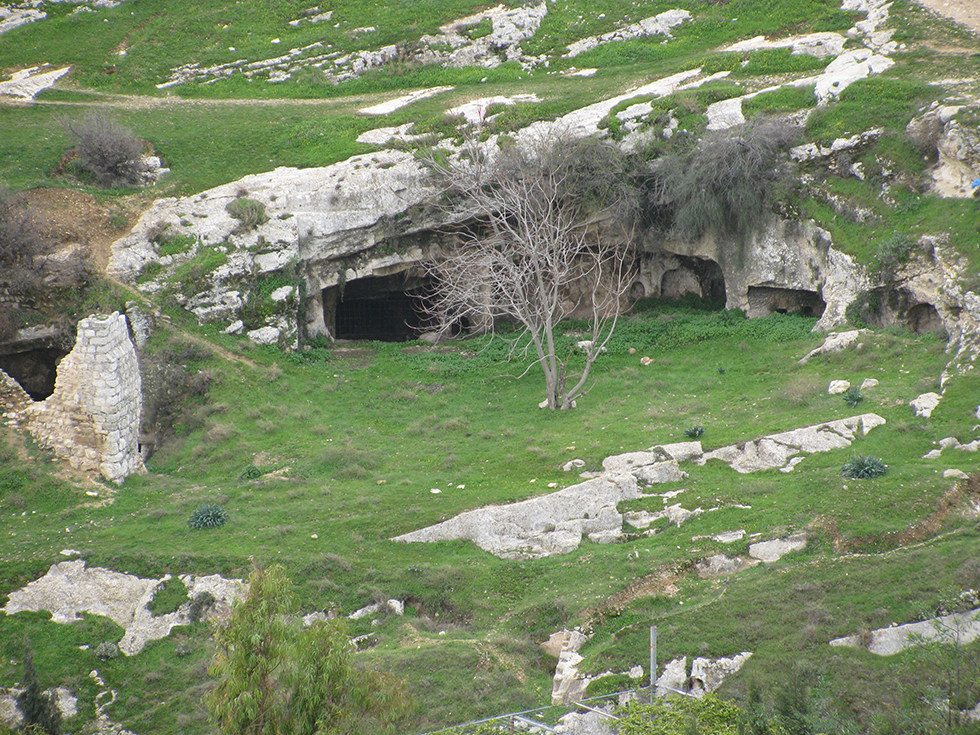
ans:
x=766 y=300
x=923 y=318
x=35 y=370
x=702 y=277
x=393 y=308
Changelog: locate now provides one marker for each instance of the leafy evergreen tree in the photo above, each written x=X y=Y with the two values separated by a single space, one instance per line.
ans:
x=279 y=677
x=40 y=709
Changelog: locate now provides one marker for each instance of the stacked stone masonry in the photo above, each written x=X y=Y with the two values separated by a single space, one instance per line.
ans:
x=92 y=418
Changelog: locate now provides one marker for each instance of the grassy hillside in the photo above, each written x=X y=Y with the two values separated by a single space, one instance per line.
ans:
x=321 y=457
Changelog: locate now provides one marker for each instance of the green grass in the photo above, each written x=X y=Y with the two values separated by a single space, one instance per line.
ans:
x=346 y=444
x=349 y=443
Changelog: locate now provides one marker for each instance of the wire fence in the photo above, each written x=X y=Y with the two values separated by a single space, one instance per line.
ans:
x=539 y=720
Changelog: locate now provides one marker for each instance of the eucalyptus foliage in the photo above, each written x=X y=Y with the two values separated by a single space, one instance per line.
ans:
x=276 y=676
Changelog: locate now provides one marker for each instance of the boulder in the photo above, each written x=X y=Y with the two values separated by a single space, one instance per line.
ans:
x=774 y=550
x=923 y=405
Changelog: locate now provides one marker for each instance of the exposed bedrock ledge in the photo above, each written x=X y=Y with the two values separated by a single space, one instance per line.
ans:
x=555 y=523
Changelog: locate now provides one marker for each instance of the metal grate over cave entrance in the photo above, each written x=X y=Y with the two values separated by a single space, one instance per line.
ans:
x=386 y=308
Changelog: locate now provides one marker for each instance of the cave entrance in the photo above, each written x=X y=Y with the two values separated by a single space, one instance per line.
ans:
x=34 y=370
x=698 y=276
x=766 y=300
x=924 y=318
x=390 y=308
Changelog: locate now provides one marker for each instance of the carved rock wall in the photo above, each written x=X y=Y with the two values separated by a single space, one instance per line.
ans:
x=92 y=418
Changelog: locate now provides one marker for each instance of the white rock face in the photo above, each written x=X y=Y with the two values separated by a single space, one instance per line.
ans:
x=543 y=526
x=26 y=83
x=820 y=45
x=658 y=25
x=846 y=69
x=778 y=450
x=774 y=550
x=69 y=589
x=834 y=342
x=705 y=676
x=837 y=387
x=960 y=628
x=924 y=405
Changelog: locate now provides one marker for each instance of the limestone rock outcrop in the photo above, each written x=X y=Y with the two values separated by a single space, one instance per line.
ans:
x=92 y=418
x=69 y=589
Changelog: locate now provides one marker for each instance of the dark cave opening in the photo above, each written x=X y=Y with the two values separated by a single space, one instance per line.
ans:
x=384 y=308
x=699 y=276
x=766 y=300
x=34 y=370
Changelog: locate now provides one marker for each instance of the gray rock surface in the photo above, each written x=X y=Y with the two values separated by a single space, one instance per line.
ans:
x=778 y=450
x=543 y=526
x=69 y=589
x=774 y=550
x=923 y=405
x=960 y=628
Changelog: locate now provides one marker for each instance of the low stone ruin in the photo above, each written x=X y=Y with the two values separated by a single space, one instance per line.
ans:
x=92 y=418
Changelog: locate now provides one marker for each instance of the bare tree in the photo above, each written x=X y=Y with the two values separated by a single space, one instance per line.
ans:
x=106 y=149
x=548 y=234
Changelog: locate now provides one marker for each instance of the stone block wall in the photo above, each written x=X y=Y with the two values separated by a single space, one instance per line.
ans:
x=92 y=418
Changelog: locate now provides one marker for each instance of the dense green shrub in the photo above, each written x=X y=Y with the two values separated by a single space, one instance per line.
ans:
x=208 y=516
x=864 y=467
x=694 y=432
x=168 y=597
x=249 y=212
x=852 y=397
x=726 y=184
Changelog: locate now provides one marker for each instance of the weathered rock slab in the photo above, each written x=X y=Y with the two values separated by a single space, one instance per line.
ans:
x=961 y=628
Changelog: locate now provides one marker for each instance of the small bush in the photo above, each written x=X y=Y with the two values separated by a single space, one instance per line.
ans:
x=694 y=432
x=106 y=150
x=893 y=252
x=852 y=397
x=208 y=516
x=201 y=603
x=864 y=467
x=107 y=650
x=22 y=239
x=249 y=212
x=251 y=472
x=168 y=597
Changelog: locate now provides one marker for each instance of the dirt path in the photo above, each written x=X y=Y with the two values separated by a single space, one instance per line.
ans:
x=966 y=12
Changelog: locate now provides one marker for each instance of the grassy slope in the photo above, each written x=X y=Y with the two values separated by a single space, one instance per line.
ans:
x=361 y=437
